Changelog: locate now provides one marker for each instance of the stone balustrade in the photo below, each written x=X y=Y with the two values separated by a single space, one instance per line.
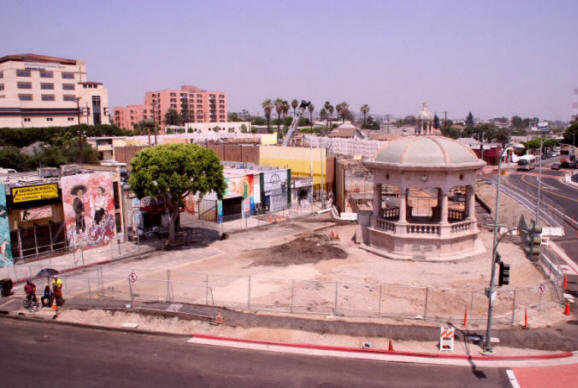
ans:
x=423 y=229
x=461 y=226
x=384 y=225
x=391 y=213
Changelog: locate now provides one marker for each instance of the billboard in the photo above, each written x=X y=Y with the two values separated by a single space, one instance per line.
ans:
x=5 y=248
x=88 y=202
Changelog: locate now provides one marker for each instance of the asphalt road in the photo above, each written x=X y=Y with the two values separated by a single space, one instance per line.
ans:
x=556 y=194
x=48 y=354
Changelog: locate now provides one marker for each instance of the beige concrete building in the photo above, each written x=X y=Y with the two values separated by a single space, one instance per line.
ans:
x=43 y=91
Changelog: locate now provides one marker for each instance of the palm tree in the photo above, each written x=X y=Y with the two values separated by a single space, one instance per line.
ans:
x=267 y=107
x=343 y=110
x=285 y=108
x=278 y=109
x=329 y=109
x=365 y=110
x=311 y=108
x=294 y=105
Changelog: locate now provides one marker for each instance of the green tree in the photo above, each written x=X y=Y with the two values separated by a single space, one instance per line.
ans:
x=267 y=108
x=364 y=110
x=172 y=172
x=436 y=122
x=571 y=134
x=279 y=111
x=311 y=108
x=516 y=122
x=11 y=157
x=343 y=110
x=285 y=108
x=172 y=117
x=294 y=105
x=323 y=114
x=470 y=120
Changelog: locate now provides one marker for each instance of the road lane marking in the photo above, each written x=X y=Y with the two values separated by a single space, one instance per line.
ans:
x=512 y=378
x=548 y=191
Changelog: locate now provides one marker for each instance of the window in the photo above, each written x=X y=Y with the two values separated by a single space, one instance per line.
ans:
x=1 y=86
x=48 y=97
x=68 y=97
x=49 y=119
x=27 y=119
x=25 y=97
x=67 y=75
x=46 y=74
x=23 y=73
x=173 y=100
x=24 y=85
x=71 y=119
x=173 y=105
x=47 y=86
x=173 y=94
x=1 y=74
x=67 y=86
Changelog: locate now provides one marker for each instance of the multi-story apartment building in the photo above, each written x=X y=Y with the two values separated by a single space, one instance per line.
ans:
x=191 y=103
x=43 y=91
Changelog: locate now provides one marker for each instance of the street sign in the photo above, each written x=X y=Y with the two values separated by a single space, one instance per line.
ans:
x=132 y=277
x=542 y=289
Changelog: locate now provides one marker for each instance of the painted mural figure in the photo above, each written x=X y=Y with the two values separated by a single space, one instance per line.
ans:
x=88 y=209
x=5 y=249
x=78 y=206
x=99 y=206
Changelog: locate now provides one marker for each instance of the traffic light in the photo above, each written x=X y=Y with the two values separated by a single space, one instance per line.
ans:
x=533 y=241
x=504 y=277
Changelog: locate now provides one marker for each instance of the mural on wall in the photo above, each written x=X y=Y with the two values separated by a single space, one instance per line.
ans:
x=5 y=248
x=88 y=209
x=242 y=186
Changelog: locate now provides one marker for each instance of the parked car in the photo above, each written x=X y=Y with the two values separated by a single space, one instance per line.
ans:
x=555 y=166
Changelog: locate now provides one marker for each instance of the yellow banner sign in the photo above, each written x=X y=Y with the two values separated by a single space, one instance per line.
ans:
x=34 y=193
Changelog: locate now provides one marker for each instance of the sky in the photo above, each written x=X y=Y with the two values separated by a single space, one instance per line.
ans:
x=491 y=58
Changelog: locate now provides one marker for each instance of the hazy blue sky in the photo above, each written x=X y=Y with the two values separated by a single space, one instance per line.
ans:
x=490 y=57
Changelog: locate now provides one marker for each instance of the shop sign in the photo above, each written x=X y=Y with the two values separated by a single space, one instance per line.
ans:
x=34 y=193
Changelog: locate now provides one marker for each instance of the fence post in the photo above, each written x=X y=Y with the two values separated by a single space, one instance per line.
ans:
x=118 y=242
x=111 y=251
x=82 y=254
x=514 y=308
x=249 y=294
x=89 y=291
x=426 y=302
x=207 y=289
x=336 y=298
x=379 y=305
x=168 y=297
x=539 y=301
x=131 y=294
x=292 y=295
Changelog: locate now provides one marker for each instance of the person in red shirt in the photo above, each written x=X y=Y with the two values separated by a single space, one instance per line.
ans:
x=30 y=290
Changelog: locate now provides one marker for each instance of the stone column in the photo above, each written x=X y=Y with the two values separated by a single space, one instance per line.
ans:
x=376 y=199
x=470 y=201
x=402 y=204
x=444 y=217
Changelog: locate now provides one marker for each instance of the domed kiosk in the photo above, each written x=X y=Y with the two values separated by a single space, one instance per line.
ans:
x=424 y=200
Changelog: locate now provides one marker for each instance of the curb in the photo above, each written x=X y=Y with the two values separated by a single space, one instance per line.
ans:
x=388 y=352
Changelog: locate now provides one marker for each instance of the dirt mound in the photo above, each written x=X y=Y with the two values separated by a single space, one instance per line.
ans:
x=307 y=249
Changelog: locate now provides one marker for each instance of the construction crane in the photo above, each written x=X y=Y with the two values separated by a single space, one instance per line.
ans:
x=295 y=122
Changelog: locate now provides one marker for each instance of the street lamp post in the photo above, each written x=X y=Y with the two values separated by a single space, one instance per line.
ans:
x=490 y=290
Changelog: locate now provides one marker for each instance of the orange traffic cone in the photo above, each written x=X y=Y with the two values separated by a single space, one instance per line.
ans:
x=390 y=347
x=54 y=306
x=565 y=283
x=525 y=318
x=337 y=236
x=567 y=309
x=270 y=219
x=219 y=319
x=332 y=236
x=466 y=317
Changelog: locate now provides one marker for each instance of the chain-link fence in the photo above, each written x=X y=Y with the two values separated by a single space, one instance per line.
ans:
x=293 y=296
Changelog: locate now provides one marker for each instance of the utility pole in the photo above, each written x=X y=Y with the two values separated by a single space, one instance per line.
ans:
x=539 y=183
x=490 y=290
x=79 y=130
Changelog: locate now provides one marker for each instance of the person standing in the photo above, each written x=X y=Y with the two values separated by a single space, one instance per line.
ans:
x=30 y=290
x=57 y=291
